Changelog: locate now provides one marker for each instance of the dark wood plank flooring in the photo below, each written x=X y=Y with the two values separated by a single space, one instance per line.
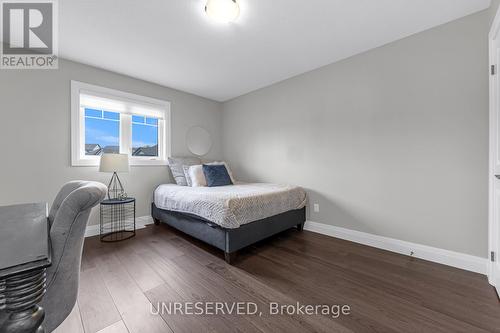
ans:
x=386 y=292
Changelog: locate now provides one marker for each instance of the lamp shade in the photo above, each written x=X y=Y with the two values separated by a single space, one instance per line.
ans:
x=114 y=163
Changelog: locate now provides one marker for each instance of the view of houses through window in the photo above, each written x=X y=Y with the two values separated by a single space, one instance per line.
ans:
x=102 y=133
x=144 y=136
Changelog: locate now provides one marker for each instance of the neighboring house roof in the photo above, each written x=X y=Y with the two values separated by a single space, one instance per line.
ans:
x=111 y=150
x=145 y=151
x=92 y=149
x=96 y=149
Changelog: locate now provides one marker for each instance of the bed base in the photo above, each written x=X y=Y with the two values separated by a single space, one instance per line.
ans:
x=230 y=240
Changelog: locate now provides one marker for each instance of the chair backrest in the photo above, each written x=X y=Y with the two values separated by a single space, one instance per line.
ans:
x=68 y=219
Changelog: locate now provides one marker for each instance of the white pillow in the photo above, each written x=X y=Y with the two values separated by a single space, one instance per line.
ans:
x=197 y=176
x=227 y=168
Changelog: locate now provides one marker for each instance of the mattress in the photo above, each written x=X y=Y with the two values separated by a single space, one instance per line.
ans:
x=231 y=206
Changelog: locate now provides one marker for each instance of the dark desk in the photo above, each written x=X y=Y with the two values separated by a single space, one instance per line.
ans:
x=25 y=253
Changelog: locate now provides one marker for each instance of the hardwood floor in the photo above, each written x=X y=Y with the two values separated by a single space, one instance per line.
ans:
x=386 y=292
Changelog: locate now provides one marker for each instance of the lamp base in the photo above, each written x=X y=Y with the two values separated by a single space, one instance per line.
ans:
x=115 y=187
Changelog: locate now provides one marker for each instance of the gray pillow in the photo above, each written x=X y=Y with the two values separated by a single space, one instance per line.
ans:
x=186 y=175
x=176 y=164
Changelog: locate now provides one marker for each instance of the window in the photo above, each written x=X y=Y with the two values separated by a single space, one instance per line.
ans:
x=111 y=121
x=102 y=132
x=144 y=136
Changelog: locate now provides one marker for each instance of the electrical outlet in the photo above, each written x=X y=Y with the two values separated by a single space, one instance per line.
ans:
x=316 y=208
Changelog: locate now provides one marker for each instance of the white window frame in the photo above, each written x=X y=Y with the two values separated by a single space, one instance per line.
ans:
x=161 y=110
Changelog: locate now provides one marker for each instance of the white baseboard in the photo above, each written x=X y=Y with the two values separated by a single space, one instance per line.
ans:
x=491 y=274
x=441 y=256
x=494 y=275
x=140 y=223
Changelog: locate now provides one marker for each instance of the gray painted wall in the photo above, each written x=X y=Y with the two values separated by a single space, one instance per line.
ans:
x=392 y=142
x=493 y=9
x=35 y=132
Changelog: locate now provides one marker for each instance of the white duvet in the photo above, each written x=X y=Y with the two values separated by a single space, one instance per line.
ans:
x=231 y=206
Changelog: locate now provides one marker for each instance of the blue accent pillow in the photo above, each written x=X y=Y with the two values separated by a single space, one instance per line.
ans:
x=216 y=175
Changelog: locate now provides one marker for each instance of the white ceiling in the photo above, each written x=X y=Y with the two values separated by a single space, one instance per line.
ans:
x=173 y=43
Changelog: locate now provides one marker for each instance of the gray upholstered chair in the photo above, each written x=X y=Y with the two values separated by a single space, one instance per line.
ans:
x=68 y=219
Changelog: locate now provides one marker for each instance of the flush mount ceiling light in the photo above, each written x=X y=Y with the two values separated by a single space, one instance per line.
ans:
x=222 y=10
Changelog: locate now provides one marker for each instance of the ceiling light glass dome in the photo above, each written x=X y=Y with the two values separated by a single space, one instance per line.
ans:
x=223 y=10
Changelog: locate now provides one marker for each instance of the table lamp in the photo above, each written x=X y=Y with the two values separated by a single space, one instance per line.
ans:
x=114 y=163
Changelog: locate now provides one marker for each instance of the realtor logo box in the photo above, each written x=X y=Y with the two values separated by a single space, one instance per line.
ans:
x=29 y=34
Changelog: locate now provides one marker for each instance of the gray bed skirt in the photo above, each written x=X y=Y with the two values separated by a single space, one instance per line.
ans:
x=230 y=240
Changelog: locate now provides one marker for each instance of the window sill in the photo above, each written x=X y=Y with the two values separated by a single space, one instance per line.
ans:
x=132 y=163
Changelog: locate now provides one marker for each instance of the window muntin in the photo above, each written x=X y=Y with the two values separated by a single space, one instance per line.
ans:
x=106 y=120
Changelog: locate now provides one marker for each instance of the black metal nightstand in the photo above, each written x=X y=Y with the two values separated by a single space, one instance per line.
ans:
x=117 y=220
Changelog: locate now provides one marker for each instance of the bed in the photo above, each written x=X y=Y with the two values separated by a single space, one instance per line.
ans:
x=230 y=217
